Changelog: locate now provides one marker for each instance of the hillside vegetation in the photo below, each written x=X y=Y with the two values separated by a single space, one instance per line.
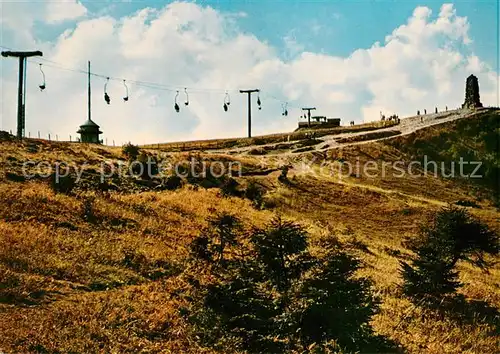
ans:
x=106 y=267
x=473 y=140
x=299 y=134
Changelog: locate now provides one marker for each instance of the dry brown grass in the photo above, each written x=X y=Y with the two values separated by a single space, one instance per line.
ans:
x=116 y=284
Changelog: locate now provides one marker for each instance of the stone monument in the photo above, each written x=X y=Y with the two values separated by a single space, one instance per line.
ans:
x=472 y=99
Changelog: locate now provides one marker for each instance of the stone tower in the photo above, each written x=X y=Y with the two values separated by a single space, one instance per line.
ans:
x=472 y=99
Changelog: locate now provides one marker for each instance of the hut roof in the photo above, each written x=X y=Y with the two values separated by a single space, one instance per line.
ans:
x=89 y=123
x=89 y=127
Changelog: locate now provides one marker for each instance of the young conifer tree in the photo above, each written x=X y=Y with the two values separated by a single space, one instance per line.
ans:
x=452 y=235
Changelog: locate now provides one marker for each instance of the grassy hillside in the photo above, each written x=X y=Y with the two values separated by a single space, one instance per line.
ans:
x=471 y=139
x=105 y=269
x=299 y=134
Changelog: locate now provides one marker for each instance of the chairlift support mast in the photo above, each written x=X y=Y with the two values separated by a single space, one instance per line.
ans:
x=309 y=114
x=21 y=117
x=249 y=92
x=89 y=94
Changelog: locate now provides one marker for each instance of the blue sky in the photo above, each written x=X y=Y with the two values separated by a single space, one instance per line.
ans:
x=340 y=56
x=335 y=27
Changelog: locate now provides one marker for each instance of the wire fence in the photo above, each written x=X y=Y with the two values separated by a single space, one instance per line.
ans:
x=50 y=137
x=216 y=144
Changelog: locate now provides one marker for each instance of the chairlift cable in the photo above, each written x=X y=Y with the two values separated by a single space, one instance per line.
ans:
x=153 y=85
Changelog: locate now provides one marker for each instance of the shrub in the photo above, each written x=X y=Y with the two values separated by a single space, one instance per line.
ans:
x=452 y=235
x=199 y=248
x=273 y=296
x=147 y=166
x=279 y=250
x=131 y=151
x=467 y=203
x=337 y=306
x=88 y=210
x=283 y=177
x=220 y=233
x=14 y=177
x=259 y=141
x=173 y=182
x=255 y=193
x=257 y=151
x=229 y=188
x=62 y=184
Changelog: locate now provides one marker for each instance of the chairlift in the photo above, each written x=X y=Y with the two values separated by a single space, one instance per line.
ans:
x=126 y=91
x=176 y=106
x=227 y=102
x=42 y=85
x=187 y=97
x=285 y=110
x=106 y=96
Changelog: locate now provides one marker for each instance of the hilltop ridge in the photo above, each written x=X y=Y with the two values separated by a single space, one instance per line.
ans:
x=101 y=266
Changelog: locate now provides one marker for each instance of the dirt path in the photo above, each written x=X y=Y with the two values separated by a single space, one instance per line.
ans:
x=406 y=126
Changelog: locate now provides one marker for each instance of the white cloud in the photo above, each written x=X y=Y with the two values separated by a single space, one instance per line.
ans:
x=64 y=10
x=292 y=46
x=420 y=65
x=22 y=15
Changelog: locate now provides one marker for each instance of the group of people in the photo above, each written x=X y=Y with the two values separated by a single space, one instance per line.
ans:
x=394 y=117
x=425 y=112
x=311 y=136
x=435 y=110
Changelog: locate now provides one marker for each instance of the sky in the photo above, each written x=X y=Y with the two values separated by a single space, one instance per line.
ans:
x=349 y=59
